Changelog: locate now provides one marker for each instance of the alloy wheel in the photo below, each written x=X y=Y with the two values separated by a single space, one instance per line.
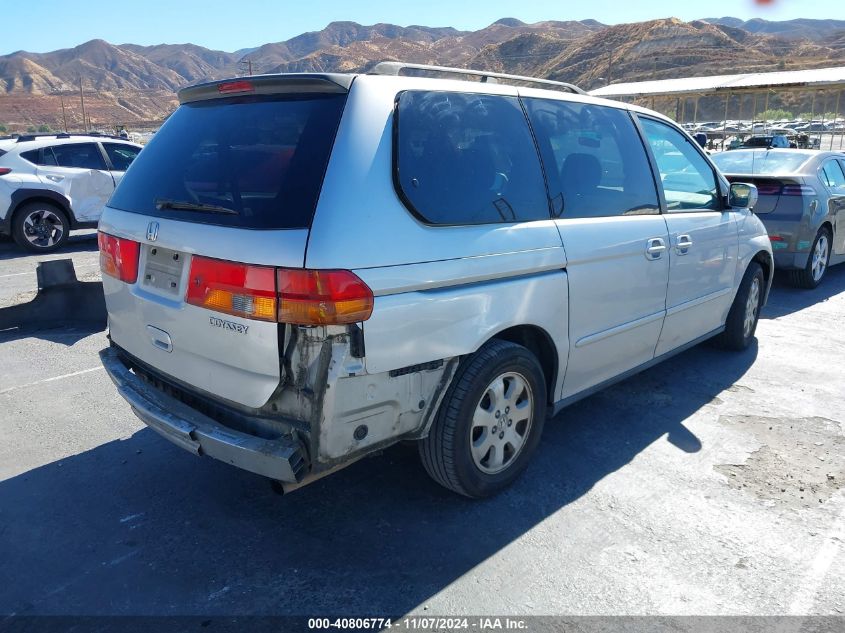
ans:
x=501 y=423
x=820 y=253
x=752 y=306
x=43 y=228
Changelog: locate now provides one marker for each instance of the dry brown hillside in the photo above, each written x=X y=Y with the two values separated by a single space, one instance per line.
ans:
x=129 y=84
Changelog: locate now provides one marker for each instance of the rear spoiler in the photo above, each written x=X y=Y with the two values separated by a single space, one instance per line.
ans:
x=323 y=83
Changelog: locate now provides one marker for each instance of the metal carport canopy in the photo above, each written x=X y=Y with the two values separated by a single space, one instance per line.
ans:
x=817 y=78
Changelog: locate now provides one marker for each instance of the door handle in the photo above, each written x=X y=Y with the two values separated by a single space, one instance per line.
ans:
x=654 y=248
x=683 y=244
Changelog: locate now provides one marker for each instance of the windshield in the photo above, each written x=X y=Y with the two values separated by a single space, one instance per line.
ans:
x=261 y=158
x=759 y=163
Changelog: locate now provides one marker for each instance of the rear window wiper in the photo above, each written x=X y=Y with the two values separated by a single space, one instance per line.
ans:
x=163 y=203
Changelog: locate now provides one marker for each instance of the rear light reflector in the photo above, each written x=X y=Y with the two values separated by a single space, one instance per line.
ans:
x=286 y=295
x=235 y=86
x=797 y=190
x=5 y=170
x=118 y=257
x=322 y=297
x=238 y=289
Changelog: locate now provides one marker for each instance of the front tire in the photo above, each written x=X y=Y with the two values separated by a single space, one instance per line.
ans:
x=744 y=314
x=489 y=423
x=40 y=227
x=812 y=274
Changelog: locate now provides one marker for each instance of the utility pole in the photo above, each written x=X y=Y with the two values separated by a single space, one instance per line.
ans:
x=64 y=114
x=82 y=99
x=246 y=64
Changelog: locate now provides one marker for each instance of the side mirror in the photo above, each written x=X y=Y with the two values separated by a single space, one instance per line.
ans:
x=742 y=195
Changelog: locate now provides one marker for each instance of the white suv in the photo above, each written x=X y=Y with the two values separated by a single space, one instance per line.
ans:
x=53 y=183
x=303 y=269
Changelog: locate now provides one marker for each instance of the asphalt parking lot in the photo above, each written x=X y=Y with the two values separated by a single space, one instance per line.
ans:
x=711 y=484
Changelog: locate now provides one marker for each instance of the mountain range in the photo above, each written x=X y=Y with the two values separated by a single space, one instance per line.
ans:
x=129 y=83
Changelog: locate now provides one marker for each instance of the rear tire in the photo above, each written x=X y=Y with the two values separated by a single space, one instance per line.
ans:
x=40 y=227
x=489 y=423
x=744 y=314
x=812 y=274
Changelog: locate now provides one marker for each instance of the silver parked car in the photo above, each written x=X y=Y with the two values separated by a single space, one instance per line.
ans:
x=303 y=269
x=802 y=204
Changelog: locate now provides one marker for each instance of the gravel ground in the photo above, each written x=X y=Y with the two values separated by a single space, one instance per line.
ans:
x=710 y=484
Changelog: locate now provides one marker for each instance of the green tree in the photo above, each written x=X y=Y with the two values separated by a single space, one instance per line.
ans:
x=774 y=115
x=3 y=129
x=30 y=129
x=44 y=128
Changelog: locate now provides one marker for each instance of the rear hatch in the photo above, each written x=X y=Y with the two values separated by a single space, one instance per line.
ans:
x=222 y=195
x=775 y=172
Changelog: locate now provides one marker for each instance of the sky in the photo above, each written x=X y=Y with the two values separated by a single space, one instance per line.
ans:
x=44 y=25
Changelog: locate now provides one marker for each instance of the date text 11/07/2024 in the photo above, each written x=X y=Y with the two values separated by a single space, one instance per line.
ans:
x=420 y=623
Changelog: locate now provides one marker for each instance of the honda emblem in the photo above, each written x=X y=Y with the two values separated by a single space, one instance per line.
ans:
x=152 y=231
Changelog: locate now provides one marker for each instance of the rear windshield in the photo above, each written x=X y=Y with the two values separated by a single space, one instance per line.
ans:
x=758 y=163
x=252 y=162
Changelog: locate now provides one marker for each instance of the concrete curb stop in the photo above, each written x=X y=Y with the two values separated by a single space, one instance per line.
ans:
x=62 y=300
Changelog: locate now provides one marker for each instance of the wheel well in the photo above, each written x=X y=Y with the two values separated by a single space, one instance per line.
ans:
x=538 y=342
x=829 y=226
x=765 y=261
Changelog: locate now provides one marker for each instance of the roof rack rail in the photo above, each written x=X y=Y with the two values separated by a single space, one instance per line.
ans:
x=395 y=68
x=31 y=137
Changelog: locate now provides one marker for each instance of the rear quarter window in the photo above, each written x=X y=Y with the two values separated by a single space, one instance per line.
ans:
x=464 y=158
x=759 y=162
x=261 y=157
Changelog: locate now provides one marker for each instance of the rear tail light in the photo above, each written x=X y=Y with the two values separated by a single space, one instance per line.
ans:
x=297 y=296
x=776 y=238
x=5 y=170
x=238 y=289
x=768 y=189
x=797 y=190
x=322 y=297
x=118 y=257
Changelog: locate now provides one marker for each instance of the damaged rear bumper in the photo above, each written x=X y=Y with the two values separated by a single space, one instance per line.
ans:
x=282 y=459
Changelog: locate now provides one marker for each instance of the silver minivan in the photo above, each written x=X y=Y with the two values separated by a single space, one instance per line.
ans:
x=303 y=269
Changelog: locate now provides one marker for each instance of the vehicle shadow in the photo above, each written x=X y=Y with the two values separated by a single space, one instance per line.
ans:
x=785 y=299
x=83 y=243
x=138 y=526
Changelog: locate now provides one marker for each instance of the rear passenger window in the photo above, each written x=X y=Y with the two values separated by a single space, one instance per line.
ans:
x=79 y=155
x=595 y=162
x=689 y=183
x=466 y=158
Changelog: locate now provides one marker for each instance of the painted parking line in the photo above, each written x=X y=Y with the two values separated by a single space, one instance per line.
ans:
x=804 y=598
x=53 y=379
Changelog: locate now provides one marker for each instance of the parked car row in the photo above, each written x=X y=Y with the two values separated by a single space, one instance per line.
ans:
x=767 y=127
